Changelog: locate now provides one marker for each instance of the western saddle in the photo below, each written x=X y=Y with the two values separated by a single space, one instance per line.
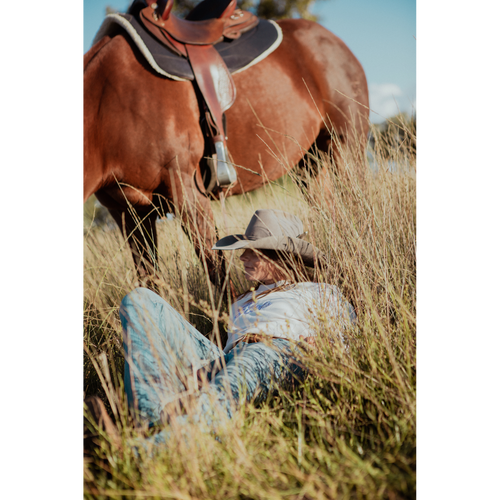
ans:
x=194 y=38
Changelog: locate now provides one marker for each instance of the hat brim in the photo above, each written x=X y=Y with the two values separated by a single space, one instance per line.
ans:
x=300 y=248
x=232 y=242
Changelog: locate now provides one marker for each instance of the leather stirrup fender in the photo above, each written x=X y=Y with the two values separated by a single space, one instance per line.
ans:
x=219 y=92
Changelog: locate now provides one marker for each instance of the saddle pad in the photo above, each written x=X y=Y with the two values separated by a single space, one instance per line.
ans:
x=251 y=48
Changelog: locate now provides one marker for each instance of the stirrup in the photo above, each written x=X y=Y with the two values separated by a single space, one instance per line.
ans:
x=222 y=172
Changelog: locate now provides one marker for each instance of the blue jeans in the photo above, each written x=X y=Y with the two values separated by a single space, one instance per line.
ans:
x=163 y=352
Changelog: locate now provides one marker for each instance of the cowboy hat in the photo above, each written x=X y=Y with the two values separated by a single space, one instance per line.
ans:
x=273 y=230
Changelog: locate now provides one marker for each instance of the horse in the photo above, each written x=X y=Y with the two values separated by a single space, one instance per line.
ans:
x=143 y=145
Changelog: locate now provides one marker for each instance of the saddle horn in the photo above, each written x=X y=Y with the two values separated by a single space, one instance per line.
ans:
x=164 y=7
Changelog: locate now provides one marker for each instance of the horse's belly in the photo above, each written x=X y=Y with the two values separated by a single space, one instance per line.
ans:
x=270 y=126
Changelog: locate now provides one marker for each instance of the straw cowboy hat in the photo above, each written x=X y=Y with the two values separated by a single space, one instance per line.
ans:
x=274 y=230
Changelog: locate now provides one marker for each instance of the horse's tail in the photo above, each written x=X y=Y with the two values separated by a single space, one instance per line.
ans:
x=88 y=56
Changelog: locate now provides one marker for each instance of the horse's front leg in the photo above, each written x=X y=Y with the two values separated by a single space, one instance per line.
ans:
x=138 y=226
x=195 y=212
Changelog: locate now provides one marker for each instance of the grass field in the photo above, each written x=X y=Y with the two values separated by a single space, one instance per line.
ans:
x=349 y=431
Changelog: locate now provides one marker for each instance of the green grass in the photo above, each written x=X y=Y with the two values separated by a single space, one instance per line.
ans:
x=349 y=431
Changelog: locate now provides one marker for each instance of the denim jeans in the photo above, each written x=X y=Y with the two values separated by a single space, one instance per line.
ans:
x=163 y=351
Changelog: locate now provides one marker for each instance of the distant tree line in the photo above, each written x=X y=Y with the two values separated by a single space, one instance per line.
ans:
x=396 y=133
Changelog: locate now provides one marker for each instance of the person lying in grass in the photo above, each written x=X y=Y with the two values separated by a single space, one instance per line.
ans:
x=173 y=372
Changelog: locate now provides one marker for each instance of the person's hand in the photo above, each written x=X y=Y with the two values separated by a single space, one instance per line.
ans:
x=310 y=341
x=207 y=372
x=201 y=377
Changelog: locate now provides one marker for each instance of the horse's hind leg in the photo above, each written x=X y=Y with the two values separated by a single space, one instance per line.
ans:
x=139 y=229
x=313 y=170
x=332 y=152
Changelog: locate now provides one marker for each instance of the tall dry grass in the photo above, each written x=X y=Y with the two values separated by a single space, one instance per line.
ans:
x=349 y=431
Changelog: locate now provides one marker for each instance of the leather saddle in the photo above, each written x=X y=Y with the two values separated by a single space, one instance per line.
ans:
x=210 y=22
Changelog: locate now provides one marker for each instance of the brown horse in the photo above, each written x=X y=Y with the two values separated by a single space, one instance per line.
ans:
x=143 y=143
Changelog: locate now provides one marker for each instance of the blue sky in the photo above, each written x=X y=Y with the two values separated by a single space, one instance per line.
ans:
x=380 y=33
